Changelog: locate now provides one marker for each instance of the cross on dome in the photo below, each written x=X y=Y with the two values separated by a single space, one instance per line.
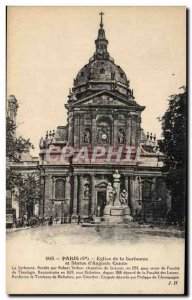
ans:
x=101 y=23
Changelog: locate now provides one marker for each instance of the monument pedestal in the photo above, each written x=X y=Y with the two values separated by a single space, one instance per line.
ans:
x=116 y=214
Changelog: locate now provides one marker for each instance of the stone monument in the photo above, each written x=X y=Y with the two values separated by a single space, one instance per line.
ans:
x=116 y=210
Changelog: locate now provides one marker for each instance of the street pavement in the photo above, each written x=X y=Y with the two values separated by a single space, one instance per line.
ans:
x=73 y=234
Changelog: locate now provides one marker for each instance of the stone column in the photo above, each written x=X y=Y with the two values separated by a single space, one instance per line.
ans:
x=138 y=131
x=68 y=194
x=128 y=130
x=48 y=193
x=92 y=194
x=75 y=187
x=53 y=188
x=153 y=189
x=81 y=131
x=93 y=132
x=80 y=194
x=76 y=130
x=127 y=186
x=115 y=134
x=132 y=195
x=42 y=179
x=140 y=188
x=67 y=188
x=133 y=130
x=71 y=129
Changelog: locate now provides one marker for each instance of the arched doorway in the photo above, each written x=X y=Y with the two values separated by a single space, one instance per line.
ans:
x=101 y=200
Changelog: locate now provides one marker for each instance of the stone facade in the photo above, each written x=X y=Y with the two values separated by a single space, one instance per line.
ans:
x=102 y=112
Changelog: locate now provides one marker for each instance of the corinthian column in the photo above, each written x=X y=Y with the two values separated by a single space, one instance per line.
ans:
x=128 y=130
x=67 y=188
x=75 y=186
x=127 y=188
x=80 y=194
x=133 y=129
x=76 y=130
x=132 y=195
x=93 y=132
x=92 y=194
x=71 y=129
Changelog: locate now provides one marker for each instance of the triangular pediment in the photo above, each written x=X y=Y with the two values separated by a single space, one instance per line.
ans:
x=106 y=98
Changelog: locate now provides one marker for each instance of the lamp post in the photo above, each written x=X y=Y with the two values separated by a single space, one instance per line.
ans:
x=62 y=212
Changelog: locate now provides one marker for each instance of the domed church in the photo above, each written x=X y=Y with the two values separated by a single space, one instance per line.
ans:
x=102 y=137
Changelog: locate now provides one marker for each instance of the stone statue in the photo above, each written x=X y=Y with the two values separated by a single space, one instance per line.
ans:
x=110 y=194
x=42 y=143
x=87 y=136
x=121 y=136
x=116 y=185
x=86 y=191
x=124 y=198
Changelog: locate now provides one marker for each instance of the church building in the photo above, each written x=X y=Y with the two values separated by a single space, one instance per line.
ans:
x=103 y=135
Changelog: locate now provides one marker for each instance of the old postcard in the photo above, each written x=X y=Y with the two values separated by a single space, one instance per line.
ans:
x=96 y=150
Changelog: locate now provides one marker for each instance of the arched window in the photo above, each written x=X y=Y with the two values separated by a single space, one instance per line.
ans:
x=102 y=71
x=82 y=74
x=59 y=189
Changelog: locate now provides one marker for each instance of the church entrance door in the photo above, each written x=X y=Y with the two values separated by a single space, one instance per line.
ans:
x=101 y=202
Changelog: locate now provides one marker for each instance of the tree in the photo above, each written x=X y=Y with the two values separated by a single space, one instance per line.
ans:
x=27 y=186
x=30 y=191
x=173 y=146
x=14 y=149
x=15 y=146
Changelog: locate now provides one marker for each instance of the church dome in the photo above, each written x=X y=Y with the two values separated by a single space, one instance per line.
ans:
x=101 y=72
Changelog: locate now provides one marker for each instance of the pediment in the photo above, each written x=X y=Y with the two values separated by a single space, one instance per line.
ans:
x=106 y=98
x=102 y=184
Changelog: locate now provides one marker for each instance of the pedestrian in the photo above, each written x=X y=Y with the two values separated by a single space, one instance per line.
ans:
x=50 y=221
x=79 y=219
x=69 y=221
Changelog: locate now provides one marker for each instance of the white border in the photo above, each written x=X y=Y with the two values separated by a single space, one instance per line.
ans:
x=3 y=4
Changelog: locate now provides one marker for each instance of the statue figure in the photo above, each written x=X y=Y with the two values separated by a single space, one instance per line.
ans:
x=121 y=136
x=116 y=185
x=42 y=143
x=124 y=198
x=110 y=194
x=87 y=136
x=86 y=191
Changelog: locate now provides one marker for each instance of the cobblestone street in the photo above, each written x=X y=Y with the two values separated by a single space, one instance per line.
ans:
x=72 y=234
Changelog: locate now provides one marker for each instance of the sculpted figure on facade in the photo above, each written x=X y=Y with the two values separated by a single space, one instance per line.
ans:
x=124 y=197
x=87 y=136
x=110 y=194
x=116 y=185
x=42 y=143
x=86 y=191
x=121 y=136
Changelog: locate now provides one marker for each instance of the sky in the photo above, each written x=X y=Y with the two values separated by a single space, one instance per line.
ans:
x=47 y=46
